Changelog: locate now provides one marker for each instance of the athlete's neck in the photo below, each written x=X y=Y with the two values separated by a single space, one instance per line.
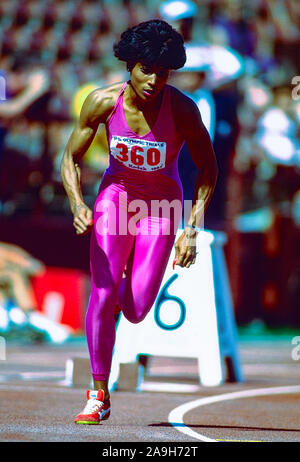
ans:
x=134 y=100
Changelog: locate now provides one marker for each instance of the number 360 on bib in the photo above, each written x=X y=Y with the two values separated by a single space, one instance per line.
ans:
x=139 y=154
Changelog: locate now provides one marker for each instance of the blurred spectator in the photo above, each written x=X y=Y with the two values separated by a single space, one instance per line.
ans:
x=231 y=27
x=17 y=301
x=268 y=138
x=181 y=14
x=16 y=268
x=262 y=187
x=24 y=87
x=21 y=130
x=286 y=19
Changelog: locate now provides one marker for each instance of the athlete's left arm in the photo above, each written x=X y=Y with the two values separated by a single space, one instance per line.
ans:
x=188 y=121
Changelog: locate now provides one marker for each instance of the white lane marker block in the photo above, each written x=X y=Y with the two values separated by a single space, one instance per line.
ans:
x=78 y=372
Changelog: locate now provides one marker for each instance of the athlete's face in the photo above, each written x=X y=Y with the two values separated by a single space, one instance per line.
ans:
x=148 y=82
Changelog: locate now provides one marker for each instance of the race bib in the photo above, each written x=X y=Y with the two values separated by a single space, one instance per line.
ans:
x=139 y=154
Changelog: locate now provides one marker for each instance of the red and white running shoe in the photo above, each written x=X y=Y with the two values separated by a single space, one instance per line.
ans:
x=95 y=410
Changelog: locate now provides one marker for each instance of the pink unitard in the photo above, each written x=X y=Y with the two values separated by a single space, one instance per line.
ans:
x=142 y=172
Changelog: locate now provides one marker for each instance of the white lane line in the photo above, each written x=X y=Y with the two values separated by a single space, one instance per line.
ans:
x=169 y=387
x=41 y=375
x=176 y=415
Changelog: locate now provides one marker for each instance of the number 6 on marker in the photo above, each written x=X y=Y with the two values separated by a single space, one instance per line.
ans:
x=163 y=297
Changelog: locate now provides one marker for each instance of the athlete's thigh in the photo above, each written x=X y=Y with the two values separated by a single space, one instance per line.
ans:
x=149 y=258
x=110 y=244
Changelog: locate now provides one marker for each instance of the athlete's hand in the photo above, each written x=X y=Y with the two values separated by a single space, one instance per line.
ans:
x=185 y=250
x=83 y=219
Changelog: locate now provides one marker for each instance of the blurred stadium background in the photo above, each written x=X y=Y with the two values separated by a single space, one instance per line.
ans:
x=68 y=45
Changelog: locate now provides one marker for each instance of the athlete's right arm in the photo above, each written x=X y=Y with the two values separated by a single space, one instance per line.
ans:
x=95 y=110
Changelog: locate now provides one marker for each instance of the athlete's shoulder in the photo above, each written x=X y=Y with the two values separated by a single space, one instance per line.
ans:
x=100 y=102
x=184 y=110
x=181 y=101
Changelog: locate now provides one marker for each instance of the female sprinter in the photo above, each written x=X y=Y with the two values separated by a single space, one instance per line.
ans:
x=147 y=122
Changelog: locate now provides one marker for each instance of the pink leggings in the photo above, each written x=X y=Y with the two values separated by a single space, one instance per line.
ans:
x=145 y=257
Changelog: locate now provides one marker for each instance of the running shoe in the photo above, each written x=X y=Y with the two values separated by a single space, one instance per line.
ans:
x=95 y=410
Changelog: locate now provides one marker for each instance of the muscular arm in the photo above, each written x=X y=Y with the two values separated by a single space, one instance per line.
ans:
x=92 y=114
x=188 y=121
x=201 y=150
x=95 y=110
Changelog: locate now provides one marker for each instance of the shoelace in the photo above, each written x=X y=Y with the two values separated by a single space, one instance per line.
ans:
x=93 y=405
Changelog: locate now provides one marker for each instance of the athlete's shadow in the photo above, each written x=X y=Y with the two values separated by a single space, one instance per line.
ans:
x=230 y=427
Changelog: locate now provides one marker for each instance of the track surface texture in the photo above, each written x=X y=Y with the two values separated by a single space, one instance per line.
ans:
x=37 y=405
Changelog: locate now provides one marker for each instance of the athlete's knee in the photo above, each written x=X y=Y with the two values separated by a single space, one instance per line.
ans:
x=137 y=313
x=136 y=318
x=101 y=301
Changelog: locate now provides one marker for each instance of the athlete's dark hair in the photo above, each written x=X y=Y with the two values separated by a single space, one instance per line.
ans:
x=152 y=42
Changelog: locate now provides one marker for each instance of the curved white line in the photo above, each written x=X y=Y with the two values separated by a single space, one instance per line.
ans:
x=176 y=415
